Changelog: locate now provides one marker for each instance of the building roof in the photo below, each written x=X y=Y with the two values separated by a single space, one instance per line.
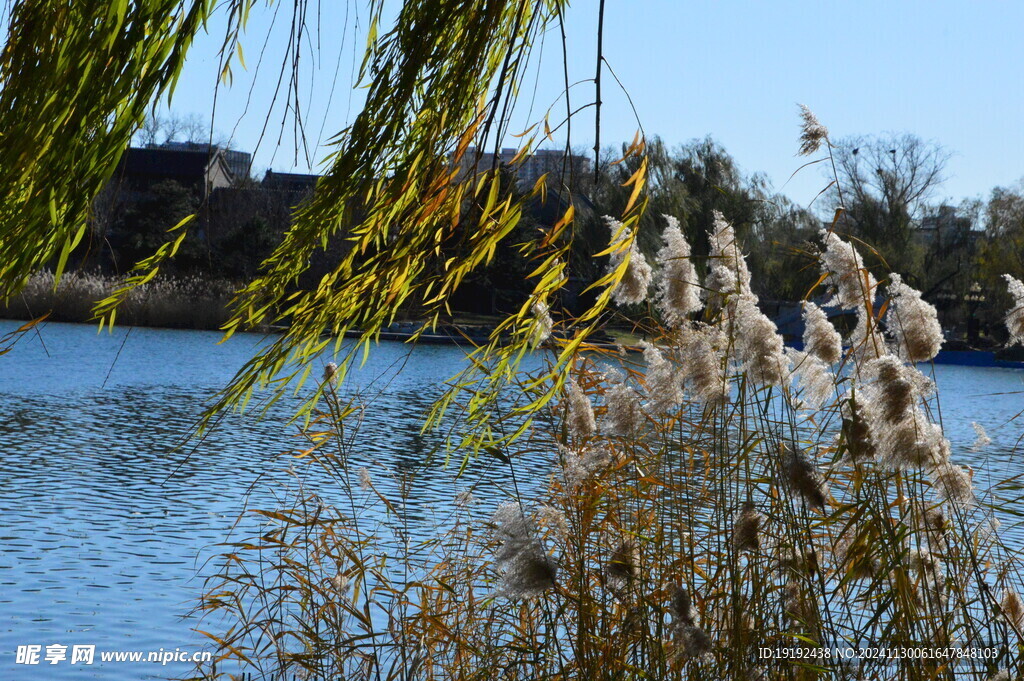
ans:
x=180 y=164
x=290 y=181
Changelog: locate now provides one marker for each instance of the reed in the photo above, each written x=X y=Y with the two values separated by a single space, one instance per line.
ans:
x=172 y=302
x=716 y=497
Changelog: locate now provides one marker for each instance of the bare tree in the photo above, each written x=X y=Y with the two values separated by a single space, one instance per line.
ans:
x=174 y=127
x=886 y=183
x=150 y=131
x=193 y=129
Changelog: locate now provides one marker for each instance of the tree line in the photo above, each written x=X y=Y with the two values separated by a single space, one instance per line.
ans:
x=880 y=191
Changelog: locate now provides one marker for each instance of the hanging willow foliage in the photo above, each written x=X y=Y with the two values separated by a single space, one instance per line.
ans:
x=78 y=79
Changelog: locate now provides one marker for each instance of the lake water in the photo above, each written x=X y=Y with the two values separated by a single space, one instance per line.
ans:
x=106 y=527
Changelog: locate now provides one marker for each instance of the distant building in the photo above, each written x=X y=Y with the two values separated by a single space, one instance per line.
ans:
x=550 y=162
x=202 y=171
x=946 y=229
x=290 y=182
x=238 y=162
x=529 y=168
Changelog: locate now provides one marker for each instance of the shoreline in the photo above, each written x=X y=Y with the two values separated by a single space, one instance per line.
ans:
x=475 y=334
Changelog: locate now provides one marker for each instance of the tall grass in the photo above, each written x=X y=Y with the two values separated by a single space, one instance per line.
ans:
x=718 y=497
x=173 y=302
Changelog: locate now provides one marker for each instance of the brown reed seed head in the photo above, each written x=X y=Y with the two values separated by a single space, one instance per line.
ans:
x=896 y=395
x=681 y=606
x=799 y=606
x=812 y=132
x=632 y=287
x=623 y=415
x=856 y=430
x=821 y=338
x=542 y=322
x=845 y=272
x=527 y=571
x=1012 y=608
x=623 y=564
x=914 y=443
x=538 y=574
x=664 y=383
x=935 y=520
x=802 y=476
x=953 y=484
x=758 y=344
x=747 y=532
x=692 y=641
x=581 y=421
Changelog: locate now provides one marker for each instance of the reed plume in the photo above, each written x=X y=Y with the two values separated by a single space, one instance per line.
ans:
x=913 y=323
x=1012 y=608
x=852 y=283
x=527 y=571
x=981 y=439
x=866 y=340
x=815 y=379
x=858 y=418
x=759 y=347
x=1015 y=317
x=701 y=350
x=663 y=381
x=623 y=413
x=581 y=421
x=636 y=279
x=802 y=477
x=820 y=338
x=542 y=323
x=689 y=641
x=623 y=565
x=578 y=467
x=678 y=290
x=953 y=484
x=747 y=531
x=728 y=274
x=812 y=132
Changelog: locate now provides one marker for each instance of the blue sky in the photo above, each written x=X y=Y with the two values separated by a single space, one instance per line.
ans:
x=945 y=71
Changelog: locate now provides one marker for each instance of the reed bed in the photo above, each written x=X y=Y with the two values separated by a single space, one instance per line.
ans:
x=718 y=498
x=171 y=302
x=721 y=496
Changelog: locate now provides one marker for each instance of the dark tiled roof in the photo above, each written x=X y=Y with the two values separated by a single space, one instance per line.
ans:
x=290 y=181
x=186 y=165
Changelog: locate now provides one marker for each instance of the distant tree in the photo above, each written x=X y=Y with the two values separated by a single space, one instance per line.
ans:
x=1001 y=251
x=885 y=184
x=141 y=226
x=174 y=127
x=239 y=252
x=782 y=251
x=691 y=182
x=1004 y=212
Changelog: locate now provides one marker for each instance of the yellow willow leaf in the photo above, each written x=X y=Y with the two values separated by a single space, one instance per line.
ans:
x=492 y=198
x=521 y=153
x=835 y=218
x=637 y=180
